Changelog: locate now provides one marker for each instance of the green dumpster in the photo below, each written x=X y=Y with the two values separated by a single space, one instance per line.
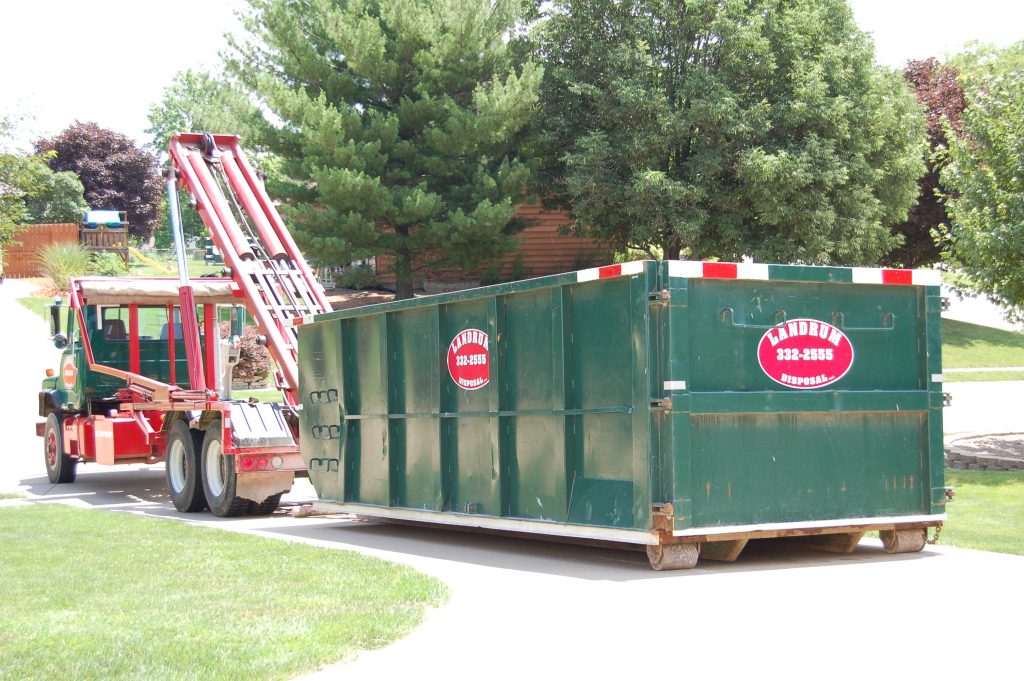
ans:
x=684 y=406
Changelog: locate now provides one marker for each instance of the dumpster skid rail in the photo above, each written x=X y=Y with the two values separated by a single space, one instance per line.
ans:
x=683 y=406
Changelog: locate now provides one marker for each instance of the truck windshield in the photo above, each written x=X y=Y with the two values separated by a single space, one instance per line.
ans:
x=153 y=323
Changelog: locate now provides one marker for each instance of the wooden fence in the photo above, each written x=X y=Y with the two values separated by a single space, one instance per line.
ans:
x=21 y=256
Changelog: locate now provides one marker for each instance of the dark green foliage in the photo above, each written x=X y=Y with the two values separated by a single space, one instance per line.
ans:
x=725 y=128
x=399 y=123
x=116 y=174
x=109 y=265
x=938 y=89
x=358 y=277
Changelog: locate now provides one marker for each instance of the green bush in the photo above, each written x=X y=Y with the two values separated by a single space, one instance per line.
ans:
x=109 y=265
x=60 y=262
x=358 y=278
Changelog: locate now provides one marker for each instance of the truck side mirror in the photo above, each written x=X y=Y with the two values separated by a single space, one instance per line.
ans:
x=60 y=341
x=55 y=318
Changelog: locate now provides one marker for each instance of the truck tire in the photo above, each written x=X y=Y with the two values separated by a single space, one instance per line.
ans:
x=60 y=468
x=219 y=477
x=265 y=507
x=184 y=476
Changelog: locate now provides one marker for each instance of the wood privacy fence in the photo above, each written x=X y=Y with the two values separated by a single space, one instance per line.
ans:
x=21 y=256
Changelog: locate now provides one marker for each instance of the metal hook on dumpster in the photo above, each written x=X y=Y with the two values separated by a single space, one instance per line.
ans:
x=728 y=315
x=887 y=323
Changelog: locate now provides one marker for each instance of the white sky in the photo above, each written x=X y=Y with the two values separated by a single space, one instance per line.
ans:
x=107 y=61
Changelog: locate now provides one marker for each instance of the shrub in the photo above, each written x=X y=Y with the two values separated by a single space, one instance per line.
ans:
x=109 y=265
x=358 y=277
x=60 y=262
x=253 y=359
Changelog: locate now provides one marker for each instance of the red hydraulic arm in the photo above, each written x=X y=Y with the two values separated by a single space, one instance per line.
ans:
x=277 y=283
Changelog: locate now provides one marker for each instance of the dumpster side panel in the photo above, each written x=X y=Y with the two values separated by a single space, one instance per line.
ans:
x=364 y=353
x=607 y=397
x=533 y=389
x=469 y=426
x=414 y=384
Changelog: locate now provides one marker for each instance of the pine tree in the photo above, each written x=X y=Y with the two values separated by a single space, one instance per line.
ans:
x=399 y=121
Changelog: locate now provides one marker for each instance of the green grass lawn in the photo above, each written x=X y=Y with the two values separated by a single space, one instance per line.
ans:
x=970 y=346
x=11 y=495
x=195 y=269
x=987 y=513
x=268 y=395
x=101 y=595
x=37 y=304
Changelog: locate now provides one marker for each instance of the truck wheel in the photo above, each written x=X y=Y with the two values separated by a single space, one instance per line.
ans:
x=184 y=478
x=219 y=477
x=673 y=556
x=265 y=507
x=903 y=541
x=60 y=467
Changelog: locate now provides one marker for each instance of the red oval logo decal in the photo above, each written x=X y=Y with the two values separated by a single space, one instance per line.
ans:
x=805 y=353
x=469 y=362
x=69 y=373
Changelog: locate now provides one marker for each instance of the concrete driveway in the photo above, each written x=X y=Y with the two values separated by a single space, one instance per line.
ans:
x=529 y=609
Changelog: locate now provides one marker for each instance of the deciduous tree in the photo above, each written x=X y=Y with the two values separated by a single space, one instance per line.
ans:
x=116 y=174
x=58 y=197
x=32 y=193
x=17 y=179
x=197 y=101
x=399 y=121
x=937 y=88
x=985 y=178
x=726 y=128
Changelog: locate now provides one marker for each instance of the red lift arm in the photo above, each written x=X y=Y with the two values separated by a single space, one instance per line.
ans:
x=276 y=281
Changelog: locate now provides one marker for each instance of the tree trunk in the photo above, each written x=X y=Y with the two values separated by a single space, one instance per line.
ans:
x=670 y=248
x=403 y=276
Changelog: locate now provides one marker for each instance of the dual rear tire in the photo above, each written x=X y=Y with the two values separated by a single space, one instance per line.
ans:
x=219 y=476
x=200 y=475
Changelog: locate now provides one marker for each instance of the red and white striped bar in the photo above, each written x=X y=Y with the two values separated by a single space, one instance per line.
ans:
x=610 y=271
x=763 y=272
x=695 y=269
x=871 y=275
